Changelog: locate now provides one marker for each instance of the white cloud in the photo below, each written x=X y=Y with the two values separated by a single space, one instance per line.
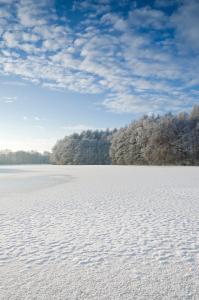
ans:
x=10 y=39
x=7 y=1
x=29 y=15
x=118 y=23
x=126 y=103
x=14 y=83
x=35 y=80
x=27 y=37
x=186 y=23
x=79 y=42
x=5 y=52
x=25 y=118
x=148 y=17
x=80 y=128
x=165 y=3
x=37 y=119
x=111 y=55
x=8 y=98
x=88 y=5
x=39 y=127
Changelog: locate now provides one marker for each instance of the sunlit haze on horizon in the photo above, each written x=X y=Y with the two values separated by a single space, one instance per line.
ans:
x=68 y=66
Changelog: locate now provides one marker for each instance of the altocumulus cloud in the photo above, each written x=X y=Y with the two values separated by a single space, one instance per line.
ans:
x=144 y=58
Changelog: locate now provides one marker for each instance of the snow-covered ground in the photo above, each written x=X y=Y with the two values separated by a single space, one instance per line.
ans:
x=99 y=232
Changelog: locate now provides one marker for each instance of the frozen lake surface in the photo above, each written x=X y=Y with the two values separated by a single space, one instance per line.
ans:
x=99 y=232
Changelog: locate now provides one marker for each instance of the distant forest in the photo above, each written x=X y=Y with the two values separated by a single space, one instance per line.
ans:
x=8 y=157
x=151 y=140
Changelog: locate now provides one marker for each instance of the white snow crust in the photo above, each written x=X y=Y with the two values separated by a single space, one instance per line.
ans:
x=99 y=232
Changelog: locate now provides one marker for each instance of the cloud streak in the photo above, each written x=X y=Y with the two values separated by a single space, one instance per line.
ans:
x=8 y=99
x=14 y=83
x=79 y=128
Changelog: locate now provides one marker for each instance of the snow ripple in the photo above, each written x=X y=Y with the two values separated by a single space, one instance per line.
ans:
x=100 y=232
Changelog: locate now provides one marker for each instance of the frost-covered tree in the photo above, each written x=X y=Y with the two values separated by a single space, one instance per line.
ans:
x=87 y=148
x=24 y=157
x=161 y=140
x=158 y=140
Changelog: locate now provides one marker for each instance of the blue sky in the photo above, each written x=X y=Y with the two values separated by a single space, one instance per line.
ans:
x=69 y=66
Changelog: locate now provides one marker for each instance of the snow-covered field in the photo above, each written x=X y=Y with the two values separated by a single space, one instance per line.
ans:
x=99 y=232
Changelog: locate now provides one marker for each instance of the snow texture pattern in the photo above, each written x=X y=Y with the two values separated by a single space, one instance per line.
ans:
x=99 y=232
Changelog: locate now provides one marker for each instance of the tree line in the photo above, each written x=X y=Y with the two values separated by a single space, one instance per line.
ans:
x=24 y=157
x=151 y=140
